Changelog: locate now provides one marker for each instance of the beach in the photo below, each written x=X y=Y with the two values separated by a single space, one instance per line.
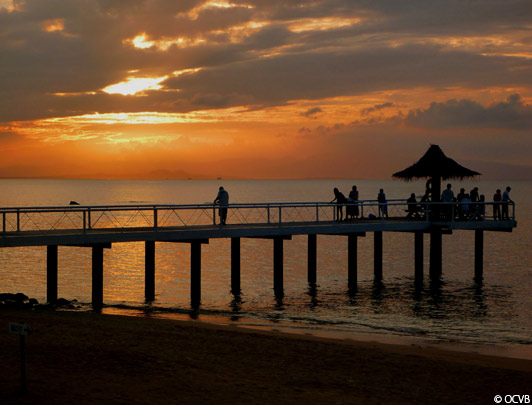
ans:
x=84 y=357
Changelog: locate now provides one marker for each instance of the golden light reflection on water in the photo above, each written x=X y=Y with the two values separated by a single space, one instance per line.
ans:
x=460 y=309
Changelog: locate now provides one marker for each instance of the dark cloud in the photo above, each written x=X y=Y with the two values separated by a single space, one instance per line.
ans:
x=392 y=47
x=510 y=114
x=312 y=112
x=377 y=107
x=315 y=75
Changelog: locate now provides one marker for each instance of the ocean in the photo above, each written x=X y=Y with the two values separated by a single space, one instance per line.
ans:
x=492 y=316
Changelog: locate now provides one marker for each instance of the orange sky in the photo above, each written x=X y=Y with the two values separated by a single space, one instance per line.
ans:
x=264 y=88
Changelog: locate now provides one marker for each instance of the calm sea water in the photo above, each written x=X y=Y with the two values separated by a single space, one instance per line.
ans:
x=497 y=312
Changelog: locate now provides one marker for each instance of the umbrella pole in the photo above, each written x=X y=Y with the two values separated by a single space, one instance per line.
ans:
x=436 y=234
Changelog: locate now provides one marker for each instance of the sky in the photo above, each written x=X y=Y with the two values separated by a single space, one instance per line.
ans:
x=353 y=89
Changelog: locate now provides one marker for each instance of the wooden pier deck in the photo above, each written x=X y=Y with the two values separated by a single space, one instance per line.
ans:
x=99 y=227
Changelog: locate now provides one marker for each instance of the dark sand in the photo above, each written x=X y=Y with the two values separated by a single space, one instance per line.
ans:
x=78 y=358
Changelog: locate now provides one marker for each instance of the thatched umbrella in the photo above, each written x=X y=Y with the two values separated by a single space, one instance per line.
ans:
x=435 y=166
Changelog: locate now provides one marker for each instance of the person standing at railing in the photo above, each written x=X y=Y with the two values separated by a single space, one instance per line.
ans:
x=222 y=199
x=340 y=199
x=353 y=196
x=447 y=197
x=383 y=206
x=479 y=209
x=505 y=202
x=497 y=198
x=473 y=195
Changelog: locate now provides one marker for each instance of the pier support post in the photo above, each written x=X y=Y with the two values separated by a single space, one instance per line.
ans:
x=51 y=274
x=149 y=276
x=418 y=259
x=97 y=277
x=195 y=272
x=235 y=265
x=352 y=261
x=312 y=258
x=479 y=253
x=435 y=253
x=278 y=264
x=377 y=257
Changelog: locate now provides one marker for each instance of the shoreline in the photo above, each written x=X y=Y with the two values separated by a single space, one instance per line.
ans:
x=510 y=351
x=88 y=357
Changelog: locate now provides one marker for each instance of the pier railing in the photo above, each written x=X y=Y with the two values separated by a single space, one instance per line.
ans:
x=116 y=217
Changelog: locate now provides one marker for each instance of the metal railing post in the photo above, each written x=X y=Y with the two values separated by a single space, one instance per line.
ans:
x=84 y=220
x=280 y=214
x=154 y=217
x=89 y=225
x=317 y=212
x=268 y=212
x=453 y=213
x=3 y=222
x=18 y=220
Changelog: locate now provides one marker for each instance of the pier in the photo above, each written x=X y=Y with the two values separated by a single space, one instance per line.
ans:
x=99 y=227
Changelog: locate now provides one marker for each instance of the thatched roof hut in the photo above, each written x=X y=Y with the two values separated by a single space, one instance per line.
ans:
x=435 y=166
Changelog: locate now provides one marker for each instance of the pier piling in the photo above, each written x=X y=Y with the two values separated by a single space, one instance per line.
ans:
x=418 y=256
x=195 y=272
x=149 y=281
x=377 y=248
x=352 y=247
x=51 y=274
x=479 y=254
x=435 y=254
x=278 y=263
x=235 y=265
x=312 y=258
x=97 y=277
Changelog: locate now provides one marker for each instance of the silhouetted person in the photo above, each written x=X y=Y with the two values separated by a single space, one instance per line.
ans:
x=424 y=202
x=480 y=208
x=340 y=202
x=447 y=197
x=473 y=195
x=383 y=207
x=497 y=198
x=464 y=207
x=461 y=194
x=222 y=199
x=413 y=210
x=505 y=202
x=353 y=195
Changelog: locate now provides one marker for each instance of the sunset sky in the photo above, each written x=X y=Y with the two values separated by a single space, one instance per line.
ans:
x=263 y=88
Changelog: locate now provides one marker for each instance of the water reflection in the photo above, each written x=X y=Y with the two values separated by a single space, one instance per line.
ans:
x=279 y=297
x=312 y=292
x=377 y=295
x=236 y=307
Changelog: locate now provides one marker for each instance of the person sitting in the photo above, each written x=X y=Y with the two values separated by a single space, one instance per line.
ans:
x=413 y=208
x=464 y=206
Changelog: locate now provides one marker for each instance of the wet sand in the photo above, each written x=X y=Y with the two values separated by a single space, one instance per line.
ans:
x=75 y=357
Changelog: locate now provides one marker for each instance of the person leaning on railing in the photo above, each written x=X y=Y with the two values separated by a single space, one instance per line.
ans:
x=222 y=199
